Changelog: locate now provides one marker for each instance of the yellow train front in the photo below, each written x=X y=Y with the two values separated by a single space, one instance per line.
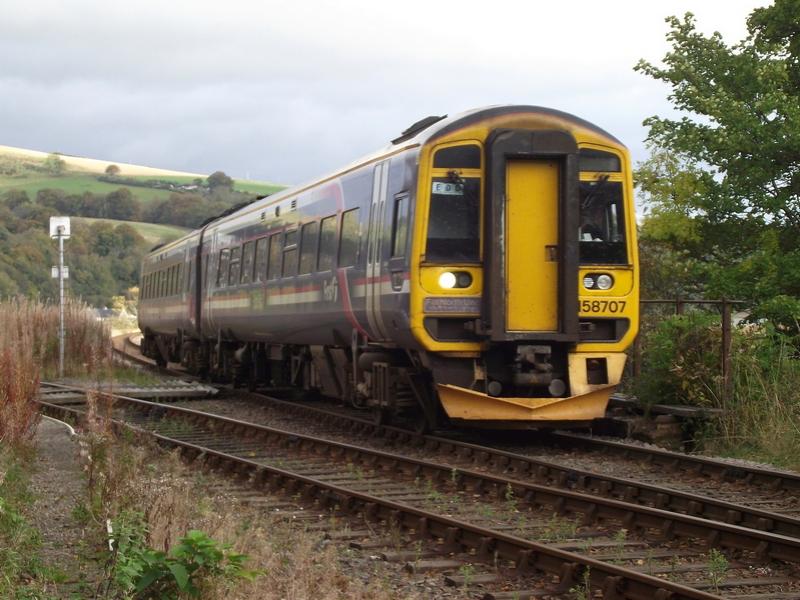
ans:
x=480 y=270
x=524 y=285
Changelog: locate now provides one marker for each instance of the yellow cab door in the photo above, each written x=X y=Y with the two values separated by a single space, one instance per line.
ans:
x=531 y=245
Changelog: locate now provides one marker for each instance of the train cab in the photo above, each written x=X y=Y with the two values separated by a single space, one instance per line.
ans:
x=525 y=292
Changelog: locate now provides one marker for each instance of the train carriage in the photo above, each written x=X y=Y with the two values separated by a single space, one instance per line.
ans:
x=481 y=270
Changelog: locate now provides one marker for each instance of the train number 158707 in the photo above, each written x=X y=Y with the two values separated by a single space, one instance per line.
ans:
x=601 y=306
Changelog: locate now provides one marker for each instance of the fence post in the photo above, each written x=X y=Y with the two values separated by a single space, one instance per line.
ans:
x=678 y=305
x=726 y=349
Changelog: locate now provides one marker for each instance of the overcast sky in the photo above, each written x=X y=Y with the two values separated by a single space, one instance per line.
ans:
x=286 y=91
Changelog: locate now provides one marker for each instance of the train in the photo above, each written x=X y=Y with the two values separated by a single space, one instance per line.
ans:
x=481 y=270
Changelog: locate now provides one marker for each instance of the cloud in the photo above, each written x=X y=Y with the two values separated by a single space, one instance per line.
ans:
x=287 y=91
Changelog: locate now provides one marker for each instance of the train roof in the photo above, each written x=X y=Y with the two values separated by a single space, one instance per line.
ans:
x=418 y=134
x=431 y=128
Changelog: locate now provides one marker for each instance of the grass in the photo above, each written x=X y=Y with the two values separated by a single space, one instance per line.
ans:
x=76 y=183
x=129 y=476
x=153 y=233
x=22 y=572
x=761 y=406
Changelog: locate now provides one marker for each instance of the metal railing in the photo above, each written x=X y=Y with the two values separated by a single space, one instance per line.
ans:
x=725 y=307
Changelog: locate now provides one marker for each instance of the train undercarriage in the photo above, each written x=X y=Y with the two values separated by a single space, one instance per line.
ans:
x=516 y=385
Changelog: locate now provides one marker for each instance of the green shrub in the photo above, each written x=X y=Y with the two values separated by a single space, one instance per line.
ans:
x=195 y=562
x=761 y=409
x=681 y=361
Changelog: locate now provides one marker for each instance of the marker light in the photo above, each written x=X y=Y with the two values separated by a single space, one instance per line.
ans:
x=604 y=282
x=588 y=282
x=447 y=280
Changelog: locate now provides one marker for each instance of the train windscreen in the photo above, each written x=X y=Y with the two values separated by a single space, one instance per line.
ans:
x=602 y=229
x=454 y=220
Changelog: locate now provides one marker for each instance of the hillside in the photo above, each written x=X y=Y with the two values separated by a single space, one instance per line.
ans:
x=31 y=171
x=119 y=212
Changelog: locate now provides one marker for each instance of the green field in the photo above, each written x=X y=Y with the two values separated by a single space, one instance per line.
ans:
x=27 y=174
x=151 y=232
x=75 y=183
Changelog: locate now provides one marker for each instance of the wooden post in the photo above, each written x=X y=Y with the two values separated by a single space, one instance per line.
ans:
x=727 y=380
x=678 y=305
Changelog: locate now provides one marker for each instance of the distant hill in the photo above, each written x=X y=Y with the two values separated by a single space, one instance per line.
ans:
x=31 y=170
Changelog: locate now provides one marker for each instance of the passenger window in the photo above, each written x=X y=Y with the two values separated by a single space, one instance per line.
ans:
x=327 y=244
x=247 y=262
x=308 y=247
x=400 y=225
x=290 y=254
x=236 y=257
x=350 y=238
x=275 y=256
x=222 y=268
x=262 y=252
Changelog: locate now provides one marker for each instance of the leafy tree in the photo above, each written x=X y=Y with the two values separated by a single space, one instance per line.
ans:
x=15 y=198
x=121 y=204
x=219 y=180
x=723 y=182
x=54 y=164
x=112 y=170
x=741 y=114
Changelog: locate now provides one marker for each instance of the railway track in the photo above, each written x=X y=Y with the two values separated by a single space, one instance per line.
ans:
x=491 y=517
x=754 y=497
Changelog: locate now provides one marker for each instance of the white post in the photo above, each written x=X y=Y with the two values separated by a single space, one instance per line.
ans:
x=59 y=228
x=61 y=301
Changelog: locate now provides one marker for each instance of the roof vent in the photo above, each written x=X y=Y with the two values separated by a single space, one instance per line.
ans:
x=417 y=127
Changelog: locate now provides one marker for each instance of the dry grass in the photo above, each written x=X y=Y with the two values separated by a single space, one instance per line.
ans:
x=29 y=352
x=136 y=476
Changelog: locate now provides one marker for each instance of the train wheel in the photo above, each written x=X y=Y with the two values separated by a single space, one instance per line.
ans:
x=381 y=416
x=421 y=425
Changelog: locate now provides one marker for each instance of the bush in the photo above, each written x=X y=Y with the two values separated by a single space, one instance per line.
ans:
x=761 y=411
x=194 y=563
x=681 y=361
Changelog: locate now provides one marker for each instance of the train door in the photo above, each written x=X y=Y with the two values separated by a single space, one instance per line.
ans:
x=531 y=220
x=375 y=238
x=532 y=232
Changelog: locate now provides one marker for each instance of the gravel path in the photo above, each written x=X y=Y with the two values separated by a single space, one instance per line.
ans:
x=57 y=487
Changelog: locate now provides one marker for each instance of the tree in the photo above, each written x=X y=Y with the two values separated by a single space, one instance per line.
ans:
x=723 y=182
x=54 y=164
x=218 y=180
x=112 y=170
x=120 y=204
x=741 y=118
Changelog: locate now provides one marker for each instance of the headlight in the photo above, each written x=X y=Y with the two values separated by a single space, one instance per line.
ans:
x=447 y=280
x=588 y=282
x=604 y=282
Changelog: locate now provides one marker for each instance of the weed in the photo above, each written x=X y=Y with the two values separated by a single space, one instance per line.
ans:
x=467 y=571
x=717 y=568
x=583 y=591
x=559 y=529
x=620 y=538
x=185 y=570
x=454 y=476
x=511 y=499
